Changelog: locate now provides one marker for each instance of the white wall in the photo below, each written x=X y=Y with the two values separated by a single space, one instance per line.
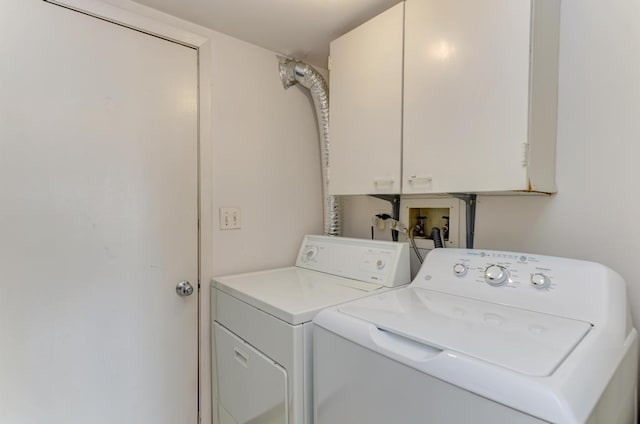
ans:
x=596 y=213
x=357 y=216
x=266 y=159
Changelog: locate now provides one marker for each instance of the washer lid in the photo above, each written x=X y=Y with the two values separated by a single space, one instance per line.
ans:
x=527 y=342
x=293 y=294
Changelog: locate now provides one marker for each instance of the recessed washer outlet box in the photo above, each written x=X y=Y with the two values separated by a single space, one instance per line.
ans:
x=446 y=213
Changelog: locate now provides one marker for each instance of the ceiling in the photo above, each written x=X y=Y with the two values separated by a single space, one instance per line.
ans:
x=301 y=29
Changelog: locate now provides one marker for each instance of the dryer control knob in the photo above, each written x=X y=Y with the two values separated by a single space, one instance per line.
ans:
x=496 y=275
x=459 y=270
x=540 y=281
x=309 y=253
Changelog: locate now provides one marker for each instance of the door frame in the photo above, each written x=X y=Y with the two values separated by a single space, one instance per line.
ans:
x=152 y=22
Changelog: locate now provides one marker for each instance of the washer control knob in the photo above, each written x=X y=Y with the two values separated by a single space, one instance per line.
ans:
x=496 y=275
x=380 y=264
x=540 y=281
x=459 y=270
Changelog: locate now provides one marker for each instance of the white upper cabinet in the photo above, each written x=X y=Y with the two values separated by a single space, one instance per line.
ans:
x=459 y=96
x=366 y=107
x=480 y=94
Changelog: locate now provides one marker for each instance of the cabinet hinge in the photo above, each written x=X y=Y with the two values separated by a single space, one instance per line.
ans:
x=329 y=63
x=525 y=155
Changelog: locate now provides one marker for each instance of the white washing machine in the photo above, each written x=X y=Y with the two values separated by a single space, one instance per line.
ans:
x=262 y=324
x=481 y=337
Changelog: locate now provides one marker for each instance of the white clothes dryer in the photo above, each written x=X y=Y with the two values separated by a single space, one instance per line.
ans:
x=261 y=333
x=482 y=337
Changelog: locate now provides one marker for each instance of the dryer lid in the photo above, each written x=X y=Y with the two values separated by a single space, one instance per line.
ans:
x=527 y=342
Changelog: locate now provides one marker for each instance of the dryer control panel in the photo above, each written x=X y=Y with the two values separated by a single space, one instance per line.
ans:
x=381 y=262
x=535 y=282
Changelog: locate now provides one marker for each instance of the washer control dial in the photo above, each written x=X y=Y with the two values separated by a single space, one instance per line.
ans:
x=540 y=281
x=380 y=264
x=495 y=275
x=459 y=270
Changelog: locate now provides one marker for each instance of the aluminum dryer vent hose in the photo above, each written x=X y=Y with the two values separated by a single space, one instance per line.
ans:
x=293 y=72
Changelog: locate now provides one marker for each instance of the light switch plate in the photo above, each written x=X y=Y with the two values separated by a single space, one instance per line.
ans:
x=229 y=218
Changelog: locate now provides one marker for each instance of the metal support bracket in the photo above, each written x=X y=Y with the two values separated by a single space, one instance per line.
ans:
x=470 y=201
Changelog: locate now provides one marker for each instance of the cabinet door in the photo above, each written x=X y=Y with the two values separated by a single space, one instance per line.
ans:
x=366 y=107
x=466 y=95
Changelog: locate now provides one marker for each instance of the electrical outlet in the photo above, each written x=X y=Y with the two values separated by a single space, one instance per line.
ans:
x=229 y=218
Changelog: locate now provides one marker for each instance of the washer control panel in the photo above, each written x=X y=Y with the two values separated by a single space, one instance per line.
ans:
x=382 y=262
x=498 y=270
x=559 y=286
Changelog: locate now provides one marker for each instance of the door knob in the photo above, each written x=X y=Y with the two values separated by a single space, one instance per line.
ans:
x=184 y=288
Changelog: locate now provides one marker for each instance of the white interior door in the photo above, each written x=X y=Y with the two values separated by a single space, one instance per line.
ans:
x=98 y=221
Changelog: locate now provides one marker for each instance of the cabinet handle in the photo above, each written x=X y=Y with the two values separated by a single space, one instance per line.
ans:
x=383 y=182
x=420 y=180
